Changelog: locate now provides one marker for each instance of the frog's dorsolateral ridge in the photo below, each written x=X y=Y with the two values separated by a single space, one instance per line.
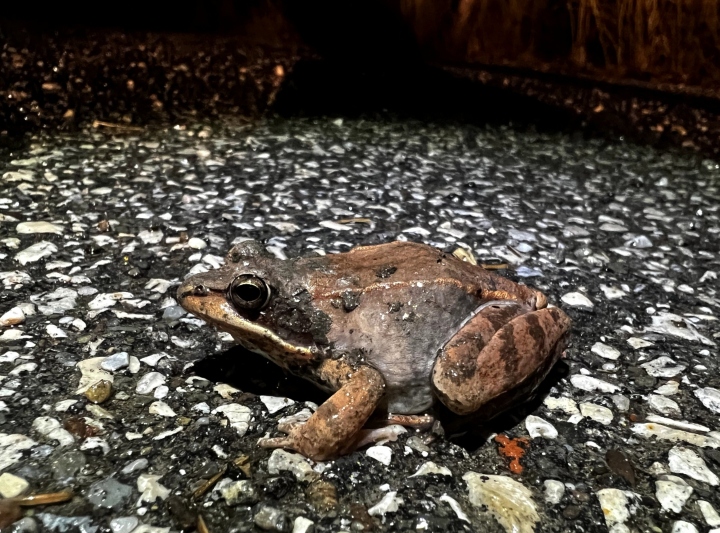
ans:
x=397 y=325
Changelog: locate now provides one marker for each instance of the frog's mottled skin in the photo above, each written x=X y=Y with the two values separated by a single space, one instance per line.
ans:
x=398 y=325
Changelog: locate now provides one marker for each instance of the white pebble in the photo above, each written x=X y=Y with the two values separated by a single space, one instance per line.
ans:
x=576 y=299
x=675 y=435
x=455 y=506
x=238 y=416
x=12 y=447
x=678 y=326
x=614 y=505
x=432 y=468
x=92 y=373
x=25 y=228
x=115 y=362
x=151 y=236
x=554 y=491
x=225 y=390
x=681 y=526
x=25 y=367
x=92 y=443
x=613 y=227
x=9 y=357
x=161 y=409
x=150 y=488
x=711 y=516
x=149 y=382
x=663 y=405
x=668 y=389
x=672 y=493
x=562 y=403
x=12 y=317
x=621 y=402
x=679 y=424
x=389 y=503
x=685 y=461
x=105 y=300
x=600 y=414
x=612 y=293
x=197 y=244
x=380 y=453
x=64 y=405
x=591 y=384
x=12 y=486
x=10 y=335
x=638 y=343
x=710 y=398
x=134 y=366
x=603 y=350
x=538 y=427
x=55 y=332
x=51 y=428
x=510 y=502
x=201 y=407
x=280 y=460
x=662 y=367
x=35 y=252
x=275 y=403
x=302 y=525
x=154 y=359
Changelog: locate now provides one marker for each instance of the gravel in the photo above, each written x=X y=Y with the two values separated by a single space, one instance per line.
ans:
x=97 y=227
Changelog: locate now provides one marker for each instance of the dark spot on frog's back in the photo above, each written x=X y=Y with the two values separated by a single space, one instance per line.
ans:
x=536 y=331
x=350 y=300
x=386 y=271
x=508 y=349
x=394 y=307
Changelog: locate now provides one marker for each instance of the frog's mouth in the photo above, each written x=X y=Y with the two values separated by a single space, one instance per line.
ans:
x=213 y=307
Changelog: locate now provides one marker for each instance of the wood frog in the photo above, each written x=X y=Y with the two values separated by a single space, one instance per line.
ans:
x=396 y=326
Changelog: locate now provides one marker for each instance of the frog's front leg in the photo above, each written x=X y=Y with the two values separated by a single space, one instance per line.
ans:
x=498 y=356
x=339 y=419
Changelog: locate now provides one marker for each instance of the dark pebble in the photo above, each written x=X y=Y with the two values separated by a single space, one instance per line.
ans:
x=620 y=465
x=571 y=512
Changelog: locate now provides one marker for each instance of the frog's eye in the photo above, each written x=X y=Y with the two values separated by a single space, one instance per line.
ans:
x=249 y=292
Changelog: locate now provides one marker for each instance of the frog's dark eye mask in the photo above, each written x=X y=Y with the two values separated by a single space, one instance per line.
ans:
x=249 y=292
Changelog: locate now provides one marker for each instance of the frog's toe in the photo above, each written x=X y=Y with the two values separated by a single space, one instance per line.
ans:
x=276 y=442
x=289 y=427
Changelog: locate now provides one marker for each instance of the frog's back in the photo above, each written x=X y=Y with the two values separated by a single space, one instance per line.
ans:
x=407 y=300
x=400 y=262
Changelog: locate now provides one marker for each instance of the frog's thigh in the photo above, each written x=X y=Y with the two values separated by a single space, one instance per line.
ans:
x=485 y=366
x=337 y=421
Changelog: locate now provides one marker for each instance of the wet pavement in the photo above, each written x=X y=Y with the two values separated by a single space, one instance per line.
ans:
x=98 y=394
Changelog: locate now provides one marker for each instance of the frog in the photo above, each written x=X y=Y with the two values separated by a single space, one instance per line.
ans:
x=398 y=328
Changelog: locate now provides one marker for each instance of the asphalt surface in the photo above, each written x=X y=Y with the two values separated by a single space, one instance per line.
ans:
x=97 y=225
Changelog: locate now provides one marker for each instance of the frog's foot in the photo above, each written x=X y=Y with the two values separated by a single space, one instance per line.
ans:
x=499 y=357
x=338 y=421
x=364 y=437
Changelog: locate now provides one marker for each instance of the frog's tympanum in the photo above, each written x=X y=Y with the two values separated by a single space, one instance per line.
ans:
x=396 y=326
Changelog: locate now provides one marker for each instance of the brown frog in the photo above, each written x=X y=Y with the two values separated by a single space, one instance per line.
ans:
x=397 y=326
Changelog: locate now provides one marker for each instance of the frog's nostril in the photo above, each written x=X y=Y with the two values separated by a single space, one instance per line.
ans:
x=199 y=290
x=192 y=290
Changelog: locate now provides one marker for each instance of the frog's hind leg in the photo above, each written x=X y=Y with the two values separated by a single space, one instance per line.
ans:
x=499 y=355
